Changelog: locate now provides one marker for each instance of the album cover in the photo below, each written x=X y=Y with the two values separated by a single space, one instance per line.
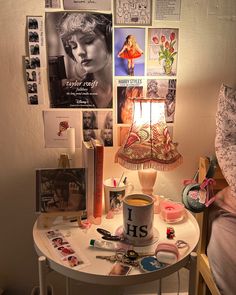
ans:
x=60 y=190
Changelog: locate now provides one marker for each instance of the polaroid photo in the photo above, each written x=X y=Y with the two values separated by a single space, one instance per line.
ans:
x=120 y=269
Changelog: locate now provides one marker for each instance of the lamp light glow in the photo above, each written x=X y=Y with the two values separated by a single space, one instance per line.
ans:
x=148 y=144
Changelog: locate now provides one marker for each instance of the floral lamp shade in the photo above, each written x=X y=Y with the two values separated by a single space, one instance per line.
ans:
x=148 y=144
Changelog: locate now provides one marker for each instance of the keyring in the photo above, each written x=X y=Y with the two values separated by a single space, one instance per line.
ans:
x=132 y=255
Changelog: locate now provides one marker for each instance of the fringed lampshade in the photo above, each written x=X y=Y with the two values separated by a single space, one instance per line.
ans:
x=148 y=144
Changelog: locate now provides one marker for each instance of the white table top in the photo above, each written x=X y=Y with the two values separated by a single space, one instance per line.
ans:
x=97 y=270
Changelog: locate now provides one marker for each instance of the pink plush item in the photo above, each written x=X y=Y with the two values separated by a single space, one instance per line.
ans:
x=167 y=253
x=110 y=214
x=171 y=212
x=85 y=224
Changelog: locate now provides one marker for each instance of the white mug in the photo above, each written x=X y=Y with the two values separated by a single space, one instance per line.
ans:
x=138 y=215
x=114 y=193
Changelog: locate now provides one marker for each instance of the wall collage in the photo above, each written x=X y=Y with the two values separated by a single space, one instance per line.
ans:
x=95 y=61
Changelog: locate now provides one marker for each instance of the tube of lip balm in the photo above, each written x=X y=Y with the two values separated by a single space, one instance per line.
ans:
x=103 y=244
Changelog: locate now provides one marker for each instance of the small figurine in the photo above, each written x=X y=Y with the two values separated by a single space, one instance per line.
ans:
x=170 y=233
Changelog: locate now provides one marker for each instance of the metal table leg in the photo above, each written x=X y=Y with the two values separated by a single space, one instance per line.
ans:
x=67 y=286
x=42 y=267
x=192 y=273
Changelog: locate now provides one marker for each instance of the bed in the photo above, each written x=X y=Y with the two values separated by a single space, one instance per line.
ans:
x=205 y=281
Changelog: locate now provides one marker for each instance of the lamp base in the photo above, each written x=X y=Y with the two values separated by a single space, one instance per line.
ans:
x=147 y=179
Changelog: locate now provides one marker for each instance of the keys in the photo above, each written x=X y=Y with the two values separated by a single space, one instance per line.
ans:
x=111 y=258
x=131 y=257
x=120 y=257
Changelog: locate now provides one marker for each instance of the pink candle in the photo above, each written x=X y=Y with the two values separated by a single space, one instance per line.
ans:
x=171 y=212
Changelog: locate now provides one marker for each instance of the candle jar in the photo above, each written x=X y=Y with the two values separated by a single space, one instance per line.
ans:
x=171 y=211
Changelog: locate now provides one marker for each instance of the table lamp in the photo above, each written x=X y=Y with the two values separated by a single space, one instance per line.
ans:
x=148 y=146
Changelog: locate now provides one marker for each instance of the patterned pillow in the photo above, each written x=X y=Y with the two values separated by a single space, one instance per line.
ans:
x=225 y=141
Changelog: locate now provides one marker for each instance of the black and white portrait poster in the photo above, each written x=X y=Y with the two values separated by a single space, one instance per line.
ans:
x=165 y=89
x=79 y=59
x=98 y=125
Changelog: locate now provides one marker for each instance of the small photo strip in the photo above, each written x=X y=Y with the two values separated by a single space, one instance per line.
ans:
x=31 y=82
x=35 y=40
x=120 y=269
x=64 y=250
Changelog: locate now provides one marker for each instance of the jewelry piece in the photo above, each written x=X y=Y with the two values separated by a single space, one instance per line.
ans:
x=108 y=236
x=181 y=244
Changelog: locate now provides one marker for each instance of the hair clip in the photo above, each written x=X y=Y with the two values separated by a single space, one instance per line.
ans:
x=106 y=235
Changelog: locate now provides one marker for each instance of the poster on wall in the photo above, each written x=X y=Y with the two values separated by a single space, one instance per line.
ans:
x=79 y=59
x=52 y=4
x=133 y=12
x=129 y=47
x=122 y=134
x=56 y=127
x=162 y=52
x=164 y=89
x=98 y=125
x=104 y=5
x=126 y=91
x=167 y=10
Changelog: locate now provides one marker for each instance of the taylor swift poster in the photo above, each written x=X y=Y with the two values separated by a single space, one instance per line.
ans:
x=79 y=59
